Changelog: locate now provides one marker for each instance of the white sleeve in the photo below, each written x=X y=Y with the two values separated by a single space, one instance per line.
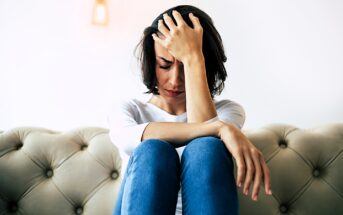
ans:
x=213 y=119
x=124 y=130
x=230 y=112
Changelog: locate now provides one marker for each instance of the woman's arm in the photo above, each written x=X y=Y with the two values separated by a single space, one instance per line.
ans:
x=185 y=44
x=199 y=104
x=178 y=133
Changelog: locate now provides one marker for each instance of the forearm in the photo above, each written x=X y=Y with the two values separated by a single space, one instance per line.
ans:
x=199 y=104
x=178 y=134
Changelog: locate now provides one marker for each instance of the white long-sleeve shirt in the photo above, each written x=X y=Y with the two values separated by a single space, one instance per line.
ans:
x=128 y=119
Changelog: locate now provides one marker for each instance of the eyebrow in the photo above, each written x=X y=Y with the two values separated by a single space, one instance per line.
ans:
x=167 y=61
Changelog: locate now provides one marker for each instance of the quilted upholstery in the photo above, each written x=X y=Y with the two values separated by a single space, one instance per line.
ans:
x=306 y=170
x=44 y=172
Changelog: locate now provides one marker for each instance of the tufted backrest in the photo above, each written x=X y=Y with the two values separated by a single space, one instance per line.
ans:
x=306 y=170
x=44 y=172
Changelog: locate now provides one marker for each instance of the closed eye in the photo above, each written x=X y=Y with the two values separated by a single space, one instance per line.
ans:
x=164 y=67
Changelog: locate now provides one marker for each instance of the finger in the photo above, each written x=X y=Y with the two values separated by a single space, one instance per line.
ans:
x=249 y=172
x=157 y=39
x=178 y=18
x=240 y=168
x=195 y=21
x=162 y=28
x=258 y=174
x=169 y=22
x=266 y=176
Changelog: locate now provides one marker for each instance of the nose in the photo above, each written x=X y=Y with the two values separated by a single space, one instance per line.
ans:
x=176 y=75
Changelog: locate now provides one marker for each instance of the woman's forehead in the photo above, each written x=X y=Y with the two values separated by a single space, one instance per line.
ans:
x=160 y=51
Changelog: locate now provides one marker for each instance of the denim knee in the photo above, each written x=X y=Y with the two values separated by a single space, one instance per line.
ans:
x=209 y=144
x=161 y=147
x=156 y=154
x=207 y=154
x=207 y=179
x=152 y=176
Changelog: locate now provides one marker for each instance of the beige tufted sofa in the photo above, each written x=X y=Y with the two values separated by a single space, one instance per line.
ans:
x=44 y=172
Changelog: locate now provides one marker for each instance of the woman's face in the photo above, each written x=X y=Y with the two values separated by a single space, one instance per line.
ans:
x=170 y=76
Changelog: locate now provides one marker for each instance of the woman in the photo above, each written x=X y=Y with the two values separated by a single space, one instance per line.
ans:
x=181 y=141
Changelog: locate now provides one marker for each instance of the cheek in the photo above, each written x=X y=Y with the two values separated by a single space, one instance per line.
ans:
x=161 y=75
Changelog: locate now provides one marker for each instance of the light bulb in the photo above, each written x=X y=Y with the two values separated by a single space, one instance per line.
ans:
x=100 y=12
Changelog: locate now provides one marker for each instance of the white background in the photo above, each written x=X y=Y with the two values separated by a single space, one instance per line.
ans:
x=57 y=70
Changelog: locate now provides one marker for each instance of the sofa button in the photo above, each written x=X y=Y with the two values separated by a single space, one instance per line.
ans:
x=49 y=173
x=19 y=146
x=283 y=144
x=315 y=172
x=114 y=175
x=283 y=208
x=83 y=147
x=12 y=207
x=79 y=210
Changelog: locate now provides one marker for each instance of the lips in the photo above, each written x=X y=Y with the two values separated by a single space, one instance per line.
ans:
x=173 y=93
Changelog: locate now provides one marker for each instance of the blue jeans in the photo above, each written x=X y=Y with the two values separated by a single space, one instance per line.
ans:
x=152 y=179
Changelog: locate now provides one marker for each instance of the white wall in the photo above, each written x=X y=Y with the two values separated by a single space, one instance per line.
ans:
x=57 y=70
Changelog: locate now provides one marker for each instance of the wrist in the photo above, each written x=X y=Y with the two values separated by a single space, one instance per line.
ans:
x=224 y=129
x=195 y=58
x=219 y=126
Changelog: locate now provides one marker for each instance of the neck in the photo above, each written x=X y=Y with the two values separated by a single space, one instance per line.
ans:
x=172 y=108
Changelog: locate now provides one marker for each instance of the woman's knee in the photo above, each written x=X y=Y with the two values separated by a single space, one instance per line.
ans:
x=208 y=144
x=211 y=150
x=155 y=146
x=155 y=153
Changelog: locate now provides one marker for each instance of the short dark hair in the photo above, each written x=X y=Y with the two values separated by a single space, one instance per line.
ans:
x=212 y=48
